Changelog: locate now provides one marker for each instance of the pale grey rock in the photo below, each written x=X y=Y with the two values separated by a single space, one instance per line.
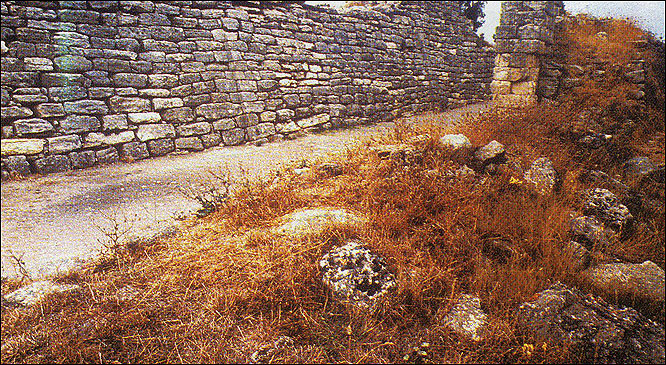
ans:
x=542 y=175
x=467 y=317
x=314 y=220
x=645 y=281
x=595 y=331
x=31 y=294
x=356 y=275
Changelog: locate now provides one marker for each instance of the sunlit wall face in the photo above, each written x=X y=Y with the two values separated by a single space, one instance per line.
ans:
x=648 y=14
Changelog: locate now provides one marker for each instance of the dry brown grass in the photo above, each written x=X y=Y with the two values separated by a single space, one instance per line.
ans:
x=225 y=286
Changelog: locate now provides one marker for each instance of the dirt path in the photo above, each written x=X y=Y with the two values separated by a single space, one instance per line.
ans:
x=55 y=221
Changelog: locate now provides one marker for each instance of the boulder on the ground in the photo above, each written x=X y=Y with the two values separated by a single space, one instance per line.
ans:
x=467 y=317
x=639 y=166
x=604 y=205
x=492 y=153
x=402 y=154
x=579 y=254
x=595 y=140
x=594 y=330
x=542 y=175
x=33 y=293
x=459 y=146
x=644 y=281
x=590 y=232
x=314 y=220
x=328 y=169
x=455 y=141
x=356 y=275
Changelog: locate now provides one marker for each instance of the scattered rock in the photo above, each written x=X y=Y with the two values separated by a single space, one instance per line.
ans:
x=492 y=153
x=467 y=318
x=601 y=178
x=33 y=293
x=590 y=232
x=579 y=254
x=645 y=281
x=418 y=354
x=595 y=330
x=455 y=141
x=542 y=175
x=639 y=166
x=356 y=275
x=403 y=154
x=594 y=140
x=266 y=353
x=314 y=220
x=329 y=169
x=607 y=207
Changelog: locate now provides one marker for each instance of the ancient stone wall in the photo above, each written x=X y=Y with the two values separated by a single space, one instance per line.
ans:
x=94 y=82
x=525 y=67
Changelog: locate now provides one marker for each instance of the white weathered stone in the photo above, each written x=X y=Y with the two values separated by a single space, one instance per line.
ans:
x=22 y=146
x=467 y=318
x=155 y=131
x=98 y=139
x=33 y=293
x=455 y=141
x=314 y=220
x=313 y=120
x=147 y=117
x=644 y=280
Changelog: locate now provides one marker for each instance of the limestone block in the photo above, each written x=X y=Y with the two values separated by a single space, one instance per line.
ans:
x=194 y=129
x=313 y=121
x=63 y=144
x=32 y=126
x=500 y=87
x=82 y=159
x=99 y=139
x=88 y=107
x=70 y=63
x=524 y=88
x=12 y=112
x=144 y=118
x=107 y=156
x=134 y=151
x=114 y=121
x=22 y=146
x=155 y=131
x=79 y=123
x=160 y=147
x=189 y=143
x=233 y=136
x=53 y=163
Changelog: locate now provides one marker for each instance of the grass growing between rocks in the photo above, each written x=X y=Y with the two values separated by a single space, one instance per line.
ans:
x=228 y=288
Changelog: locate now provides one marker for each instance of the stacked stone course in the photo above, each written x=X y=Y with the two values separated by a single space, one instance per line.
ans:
x=525 y=44
x=94 y=82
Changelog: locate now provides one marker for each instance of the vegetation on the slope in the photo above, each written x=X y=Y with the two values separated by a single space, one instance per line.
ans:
x=225 y=287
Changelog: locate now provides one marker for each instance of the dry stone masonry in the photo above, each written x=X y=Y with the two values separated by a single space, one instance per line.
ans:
x=525 y=42
x=86 y=83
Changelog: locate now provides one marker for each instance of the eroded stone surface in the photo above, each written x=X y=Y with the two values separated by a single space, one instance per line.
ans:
x=33 y=293
x=644 y=280
x=595 y=330
x=607 y=207
x=355 y=274
x=314 y=220
x=542 y=175
x=467 y=317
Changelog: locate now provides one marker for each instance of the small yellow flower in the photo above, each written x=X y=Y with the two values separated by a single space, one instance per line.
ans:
x=513 y=180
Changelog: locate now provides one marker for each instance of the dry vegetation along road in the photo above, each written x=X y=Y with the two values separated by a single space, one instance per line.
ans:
x=54 y=221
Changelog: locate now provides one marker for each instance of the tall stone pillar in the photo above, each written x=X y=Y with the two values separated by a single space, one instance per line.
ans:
x=524 y=42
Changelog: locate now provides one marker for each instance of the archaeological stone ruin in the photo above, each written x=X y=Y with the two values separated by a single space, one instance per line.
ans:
x=88 y=83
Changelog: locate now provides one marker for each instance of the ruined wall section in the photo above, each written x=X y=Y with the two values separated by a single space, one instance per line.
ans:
x=525 y=65
x=94 y=82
